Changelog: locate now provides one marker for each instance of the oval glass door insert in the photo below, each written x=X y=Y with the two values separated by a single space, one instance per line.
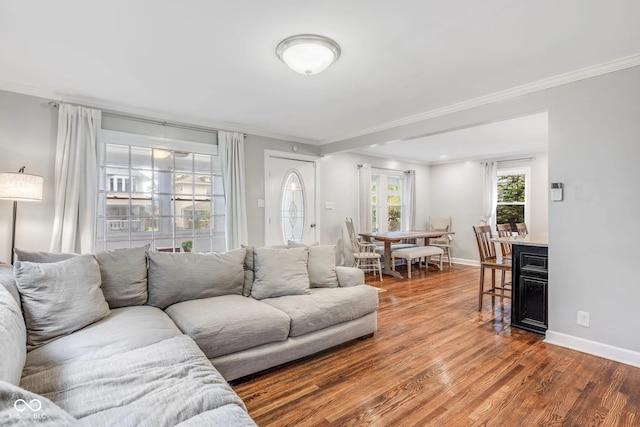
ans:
x=293 y=209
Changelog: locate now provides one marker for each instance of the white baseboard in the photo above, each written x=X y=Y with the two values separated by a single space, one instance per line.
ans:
x=465 y=261
x=617 y=354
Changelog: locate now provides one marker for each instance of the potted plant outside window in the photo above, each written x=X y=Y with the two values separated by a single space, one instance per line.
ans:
x=187 y=245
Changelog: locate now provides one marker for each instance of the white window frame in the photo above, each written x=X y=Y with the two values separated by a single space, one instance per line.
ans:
x=526 y=171
x=103 y=241
x=382 y=208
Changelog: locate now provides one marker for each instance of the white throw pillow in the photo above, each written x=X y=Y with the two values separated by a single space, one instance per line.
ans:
x=280 y=272
x=59 y=298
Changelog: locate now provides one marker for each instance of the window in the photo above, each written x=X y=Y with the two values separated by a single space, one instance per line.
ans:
x=512 y=199
x=161 y=197
x=387 y=202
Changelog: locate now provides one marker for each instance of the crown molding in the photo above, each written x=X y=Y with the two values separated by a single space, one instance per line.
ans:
x=60 y=97
x=559 y=80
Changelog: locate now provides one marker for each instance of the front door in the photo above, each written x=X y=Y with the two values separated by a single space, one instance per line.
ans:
x=290 y=200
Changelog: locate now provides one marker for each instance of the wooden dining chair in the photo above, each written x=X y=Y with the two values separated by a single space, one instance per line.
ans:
x=521 y=228
x=489 y=259
x=504 y=230
x=445 y=242
x=364 y=253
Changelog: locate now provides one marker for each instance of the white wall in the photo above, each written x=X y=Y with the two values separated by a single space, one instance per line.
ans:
x=28 y=129
x=456 y=191
x=594 y=132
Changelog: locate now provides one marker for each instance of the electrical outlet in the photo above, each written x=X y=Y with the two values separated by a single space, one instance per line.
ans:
x=583 y=319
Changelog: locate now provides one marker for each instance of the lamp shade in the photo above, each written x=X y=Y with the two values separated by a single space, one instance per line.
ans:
x=21 y=186
x=308 y=53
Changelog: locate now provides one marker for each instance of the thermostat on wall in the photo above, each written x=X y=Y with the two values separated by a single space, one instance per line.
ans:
x=556 y=191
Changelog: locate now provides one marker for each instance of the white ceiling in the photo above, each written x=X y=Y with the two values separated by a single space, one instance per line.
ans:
x=213 y=62
x=522 y=135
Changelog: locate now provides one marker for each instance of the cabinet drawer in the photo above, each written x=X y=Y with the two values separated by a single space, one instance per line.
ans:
x=534 y=260
x=534 y=273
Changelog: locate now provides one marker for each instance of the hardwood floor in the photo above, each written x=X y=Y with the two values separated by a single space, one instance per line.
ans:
x=435 y=360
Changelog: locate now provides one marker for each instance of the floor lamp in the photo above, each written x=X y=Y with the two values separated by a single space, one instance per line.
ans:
x=19 y=187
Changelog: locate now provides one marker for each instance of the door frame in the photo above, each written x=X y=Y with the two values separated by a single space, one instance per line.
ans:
x=292 y=156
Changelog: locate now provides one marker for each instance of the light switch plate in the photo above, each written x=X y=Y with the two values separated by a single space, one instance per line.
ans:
x=328 y=205
x=261 y=203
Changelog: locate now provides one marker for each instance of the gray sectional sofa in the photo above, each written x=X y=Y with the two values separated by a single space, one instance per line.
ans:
x=135 y=338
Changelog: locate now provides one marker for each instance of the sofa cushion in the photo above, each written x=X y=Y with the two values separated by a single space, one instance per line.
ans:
x=161 y=384
x=183 y=277
x=20 y=407
x=349 y=276
x=124 y=276
x=127 y=328
x=227 y=415
x=13 y=339
x=230 y=323
x=280 y=272
x=59 y=298
x=326 y=307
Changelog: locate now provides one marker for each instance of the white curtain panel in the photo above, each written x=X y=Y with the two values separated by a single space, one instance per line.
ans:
x=489 y=182
x=231 y=148
x=76 y=179
x=410 y=201
x=364 y=198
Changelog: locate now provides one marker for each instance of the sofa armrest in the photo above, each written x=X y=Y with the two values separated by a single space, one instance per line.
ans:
x=349 y=276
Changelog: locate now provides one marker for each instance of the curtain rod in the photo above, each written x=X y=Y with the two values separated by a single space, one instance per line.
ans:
x=152 y=121
x=521 y=159
x=386 y=169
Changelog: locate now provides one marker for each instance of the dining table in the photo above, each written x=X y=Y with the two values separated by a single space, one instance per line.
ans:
x=390 y=237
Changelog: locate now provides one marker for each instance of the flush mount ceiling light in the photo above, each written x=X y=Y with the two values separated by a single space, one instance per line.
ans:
x=308 y=53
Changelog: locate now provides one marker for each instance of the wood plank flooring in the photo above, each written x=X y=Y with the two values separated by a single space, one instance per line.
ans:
x=436 y=361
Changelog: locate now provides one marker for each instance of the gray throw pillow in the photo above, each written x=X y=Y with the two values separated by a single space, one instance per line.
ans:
x=249 y=271
x=124 y=276
x=322 y=266
x=8 y=281
x=59 y=298
x=187 y=276
x=13 y=338
x=280 y=272
x=123 y=272
x=48 y=257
